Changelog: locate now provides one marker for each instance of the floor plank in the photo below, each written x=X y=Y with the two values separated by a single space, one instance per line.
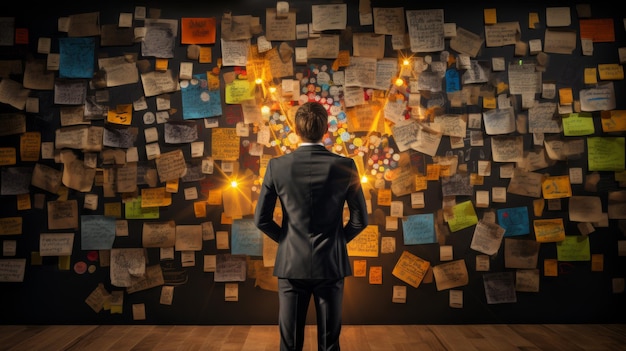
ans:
x=498 y=337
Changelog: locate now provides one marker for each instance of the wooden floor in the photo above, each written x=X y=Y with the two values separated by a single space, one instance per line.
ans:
x=498 y=337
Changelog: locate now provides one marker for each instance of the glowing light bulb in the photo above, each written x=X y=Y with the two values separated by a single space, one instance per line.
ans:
x=399 y=82
x=233 y=183
x=272 y=90
x=265 y=110
x=364 y=179
x=258 y=81
x=406 y=62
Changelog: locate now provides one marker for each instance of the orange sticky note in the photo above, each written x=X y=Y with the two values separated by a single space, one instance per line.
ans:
x=205 y=55
x=533 y=20
x=490 y=16
x=565 y=96
x=384 y=197
x=376 y=275
x=171 y=186
x=122 y=114
x=360 y=268
x=613 y=121
x=597 y=262
x=161 y=64
x=433 y=171
x=21 y=35
x=199 y=30
x=199 y=209
x=550 y=267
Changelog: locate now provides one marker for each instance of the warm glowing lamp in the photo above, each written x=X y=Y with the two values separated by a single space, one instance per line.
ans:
x=399 y=82
x=406 y=62
x=272 y=89
x=233 y=183
x=258 y=81
x=265 y=110
x=364 y=179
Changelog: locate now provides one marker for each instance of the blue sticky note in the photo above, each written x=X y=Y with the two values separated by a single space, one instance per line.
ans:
x=453 y=81
x=514 y=220
x=97 y=232
x=77 y=57
x=246 y=238
x=419 y=229
x=198 y=101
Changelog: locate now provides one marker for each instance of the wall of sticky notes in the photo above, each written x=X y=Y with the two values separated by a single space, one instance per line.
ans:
x=490 y=138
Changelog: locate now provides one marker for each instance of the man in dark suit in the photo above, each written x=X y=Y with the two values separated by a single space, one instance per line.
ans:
x=312 y=185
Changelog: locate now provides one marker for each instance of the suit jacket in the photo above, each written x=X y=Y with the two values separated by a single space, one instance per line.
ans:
x=312 y=184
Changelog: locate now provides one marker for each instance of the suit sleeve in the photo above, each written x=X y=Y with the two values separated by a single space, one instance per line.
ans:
x=356 y=205
x=264 y=212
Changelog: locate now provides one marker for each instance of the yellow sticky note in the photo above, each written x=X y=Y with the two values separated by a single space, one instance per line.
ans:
x=550 y=267
x=226 y=219
x=384 y=197
x=199 y=209
x=122 y=114
x=206 y=55
x=155 y=197
x=421 y=182
x=464 y=216
x=215 y=197
x=161 y=64
x=433 y=171
x=538 y=206
x=8 y=156
x=556 y=187
x=501 y=87
x=591 y=76
x=611 y=71
x=171 y=186
x=489 y=102
x=490 y=16
x=549 y=230
x=117 y=309
x=23 y=202
x=113 y=209
x=533 y=20
x=613 y=121
x=64 y=263
x=30 y=145
x=565 y=96
x=238 y=91
x=597 y=262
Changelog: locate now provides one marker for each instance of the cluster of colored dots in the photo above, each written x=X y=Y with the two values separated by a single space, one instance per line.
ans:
x=317 y=85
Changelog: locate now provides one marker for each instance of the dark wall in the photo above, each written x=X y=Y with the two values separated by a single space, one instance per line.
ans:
x=49 y=295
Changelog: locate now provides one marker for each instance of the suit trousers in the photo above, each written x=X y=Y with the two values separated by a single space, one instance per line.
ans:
x=294 y=296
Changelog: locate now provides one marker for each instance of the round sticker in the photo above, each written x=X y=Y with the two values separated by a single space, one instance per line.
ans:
x=92 y=268
x=80 y=267
x=92 y=256
x=148 y=118
x=205 y=97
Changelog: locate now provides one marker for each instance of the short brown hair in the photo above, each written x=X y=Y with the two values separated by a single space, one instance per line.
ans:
x=311 y=121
